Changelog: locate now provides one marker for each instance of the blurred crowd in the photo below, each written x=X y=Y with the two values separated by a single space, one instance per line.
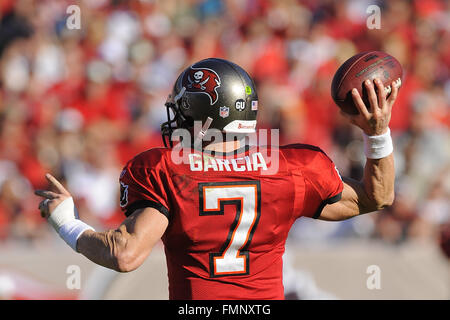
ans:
x=81 y=102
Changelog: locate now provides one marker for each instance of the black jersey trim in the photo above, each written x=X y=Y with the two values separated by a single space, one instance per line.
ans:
x=140 y=204
x=331 y=200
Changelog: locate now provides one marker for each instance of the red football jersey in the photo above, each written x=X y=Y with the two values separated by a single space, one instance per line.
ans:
x=229 y=215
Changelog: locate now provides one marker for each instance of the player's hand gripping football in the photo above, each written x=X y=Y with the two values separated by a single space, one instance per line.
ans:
x=52 y=197
x=373 y=119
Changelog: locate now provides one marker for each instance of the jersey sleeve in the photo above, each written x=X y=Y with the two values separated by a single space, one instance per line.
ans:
x=316 y=180
x=142 y=184
x=323 y=185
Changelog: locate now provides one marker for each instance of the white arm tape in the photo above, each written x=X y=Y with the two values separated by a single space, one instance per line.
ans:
x=377 y=147
x=64 y=219
x=71 y=231
x=63 y=213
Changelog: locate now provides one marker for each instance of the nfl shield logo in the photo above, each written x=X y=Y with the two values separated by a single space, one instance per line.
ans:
x=224 y=111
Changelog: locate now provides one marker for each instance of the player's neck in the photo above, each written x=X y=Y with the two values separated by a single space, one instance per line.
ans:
x=223 y=147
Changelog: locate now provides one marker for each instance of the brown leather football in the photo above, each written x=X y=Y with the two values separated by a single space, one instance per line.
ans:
x=362 y=66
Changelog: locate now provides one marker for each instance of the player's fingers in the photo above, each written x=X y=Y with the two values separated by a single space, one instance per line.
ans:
x=381 y=94
x=359 y=103
x=43 y=204
x=56 y=184
x=393 y=95
x=43 y=207
x=46 y=194
x=372 y=95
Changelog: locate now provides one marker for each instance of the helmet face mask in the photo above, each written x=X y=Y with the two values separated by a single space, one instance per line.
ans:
x=216 y=90
x=177 y=121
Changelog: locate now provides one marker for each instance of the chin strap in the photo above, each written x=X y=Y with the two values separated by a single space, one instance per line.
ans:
x=202 y=132
x=179 y=95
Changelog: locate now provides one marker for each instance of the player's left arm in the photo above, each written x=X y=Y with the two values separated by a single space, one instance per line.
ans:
x=123 y=249
x=376 y=190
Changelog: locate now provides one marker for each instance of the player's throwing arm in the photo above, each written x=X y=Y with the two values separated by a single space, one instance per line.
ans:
x=376 y=190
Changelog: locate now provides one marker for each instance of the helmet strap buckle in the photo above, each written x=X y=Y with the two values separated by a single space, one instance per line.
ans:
x=199 y=138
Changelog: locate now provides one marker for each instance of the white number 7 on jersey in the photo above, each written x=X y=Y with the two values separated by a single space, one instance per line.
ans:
x=233 y=257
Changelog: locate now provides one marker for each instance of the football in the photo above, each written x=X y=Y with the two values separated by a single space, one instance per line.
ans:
x=362 y=66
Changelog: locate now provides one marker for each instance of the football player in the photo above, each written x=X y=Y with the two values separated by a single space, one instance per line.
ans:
x=223 y=219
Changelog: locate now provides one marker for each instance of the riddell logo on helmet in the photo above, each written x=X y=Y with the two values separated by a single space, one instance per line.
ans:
x=202 y=80
x=244 y=126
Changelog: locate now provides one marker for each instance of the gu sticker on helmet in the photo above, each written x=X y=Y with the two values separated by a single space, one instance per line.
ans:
x=202 y=80
x=240 y=104
x=224 y=112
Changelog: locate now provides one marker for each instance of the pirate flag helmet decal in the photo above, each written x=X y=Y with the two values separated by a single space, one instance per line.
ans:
x=216 y=92
x=202 y=80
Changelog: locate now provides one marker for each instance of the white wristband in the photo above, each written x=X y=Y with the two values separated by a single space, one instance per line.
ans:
x=377 y=147
x=71 y=231
x=64 y=219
